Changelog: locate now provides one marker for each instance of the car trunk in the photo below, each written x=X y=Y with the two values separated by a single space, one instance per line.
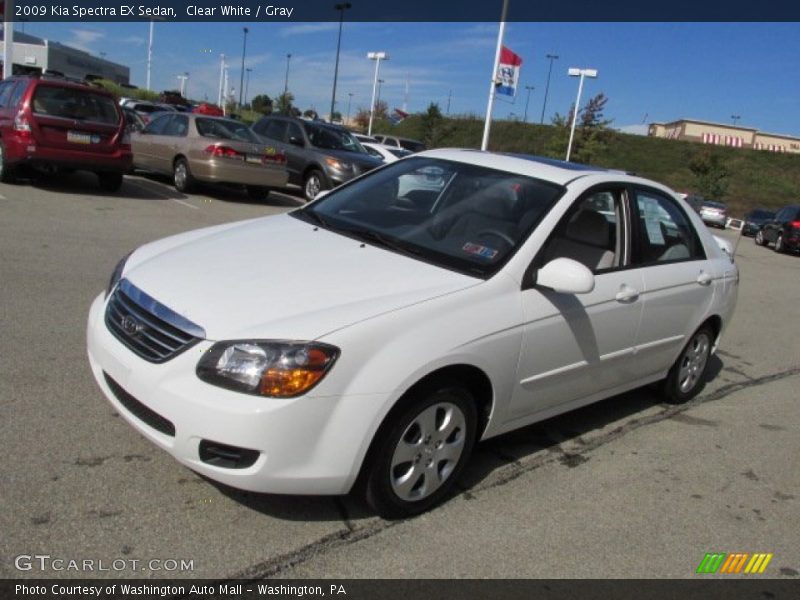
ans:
x=74 y=119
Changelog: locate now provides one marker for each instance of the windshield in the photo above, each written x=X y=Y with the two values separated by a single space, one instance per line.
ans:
x=761 y=214
x=224 y=129
x=459 y=216
x=328 y=138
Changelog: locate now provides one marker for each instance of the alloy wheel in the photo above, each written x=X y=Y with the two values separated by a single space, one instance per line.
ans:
x=693 y=362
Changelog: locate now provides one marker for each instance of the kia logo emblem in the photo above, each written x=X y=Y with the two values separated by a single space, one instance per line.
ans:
x=130 y=325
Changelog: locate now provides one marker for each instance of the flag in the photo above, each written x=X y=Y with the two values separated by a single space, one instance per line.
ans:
x=397 y=116
x=508 y=72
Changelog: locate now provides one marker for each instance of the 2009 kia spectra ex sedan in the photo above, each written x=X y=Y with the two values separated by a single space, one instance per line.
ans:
x=372 y=338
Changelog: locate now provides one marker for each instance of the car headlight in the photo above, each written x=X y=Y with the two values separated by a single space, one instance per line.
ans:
x=339 y=165
x=279 y=369
x=116 y=275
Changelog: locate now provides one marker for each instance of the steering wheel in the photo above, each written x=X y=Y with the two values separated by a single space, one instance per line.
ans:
x=498 y=234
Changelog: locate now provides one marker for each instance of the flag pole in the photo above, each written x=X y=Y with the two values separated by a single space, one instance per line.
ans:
x=488 y=123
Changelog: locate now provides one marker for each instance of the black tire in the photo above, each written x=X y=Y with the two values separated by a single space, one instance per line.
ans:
x=182 y=176
x=109 y=182
x=314 y=182
x=257 y=192
x=437 y=461
x=7 y=172
x=687 y=376
x=779 y=248
x=759 y=239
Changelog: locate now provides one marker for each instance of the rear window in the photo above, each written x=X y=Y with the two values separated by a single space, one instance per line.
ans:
x=69 y=103
x=761 y=214
x=224 y=129
x=711 y=204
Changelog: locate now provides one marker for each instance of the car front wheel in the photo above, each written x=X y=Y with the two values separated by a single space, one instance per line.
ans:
x=421 y=451
x=314 y=183
x=687 y=376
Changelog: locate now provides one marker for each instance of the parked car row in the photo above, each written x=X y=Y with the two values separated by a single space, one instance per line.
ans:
x=782 y=230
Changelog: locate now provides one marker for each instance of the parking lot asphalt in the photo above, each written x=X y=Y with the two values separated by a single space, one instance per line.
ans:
x=628 y=487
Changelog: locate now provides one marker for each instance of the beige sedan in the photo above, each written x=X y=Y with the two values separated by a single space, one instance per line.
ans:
x=199 y=148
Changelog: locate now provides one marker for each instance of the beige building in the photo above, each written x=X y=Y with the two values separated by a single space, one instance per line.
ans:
x=719 y=134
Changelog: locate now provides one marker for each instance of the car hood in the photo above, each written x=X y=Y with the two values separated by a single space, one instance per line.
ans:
x=280 y=277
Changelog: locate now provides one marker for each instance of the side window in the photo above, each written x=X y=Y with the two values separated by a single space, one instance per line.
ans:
x=294 y=132
x=16 y=94
x=275 y=129
x=5 y=92
x=663 y=233
x=591 y=232
x=177 y=126
x=782 y=214
x=157 y=125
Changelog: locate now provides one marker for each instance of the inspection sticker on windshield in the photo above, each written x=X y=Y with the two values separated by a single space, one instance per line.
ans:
x=478 y=250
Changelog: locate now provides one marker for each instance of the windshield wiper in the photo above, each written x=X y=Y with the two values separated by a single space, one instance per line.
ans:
x=314 y=216
x=382 y=240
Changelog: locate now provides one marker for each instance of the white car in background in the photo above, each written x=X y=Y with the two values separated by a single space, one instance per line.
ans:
x=375 y=336
x=385 y=153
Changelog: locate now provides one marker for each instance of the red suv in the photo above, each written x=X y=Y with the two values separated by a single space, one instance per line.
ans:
x=50 y=122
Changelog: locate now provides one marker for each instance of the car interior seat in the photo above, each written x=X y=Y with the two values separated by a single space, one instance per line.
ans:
x=585 y=239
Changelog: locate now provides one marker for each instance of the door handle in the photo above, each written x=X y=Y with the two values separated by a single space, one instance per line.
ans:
x=627 y=294
x=704 y=278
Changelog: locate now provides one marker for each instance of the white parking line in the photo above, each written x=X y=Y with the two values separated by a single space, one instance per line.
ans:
x=3 y=197
x=185 y=203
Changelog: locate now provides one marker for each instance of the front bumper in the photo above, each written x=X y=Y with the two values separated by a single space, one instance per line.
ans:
x=306 y=445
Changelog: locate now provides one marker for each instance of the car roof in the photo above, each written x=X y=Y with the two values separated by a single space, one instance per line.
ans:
x=557 y=171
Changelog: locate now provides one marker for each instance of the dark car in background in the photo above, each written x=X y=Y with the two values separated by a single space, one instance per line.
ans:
x=783 y=230
x=755 y=219
x=714 y=213
x=319 y=155
x=51 y=123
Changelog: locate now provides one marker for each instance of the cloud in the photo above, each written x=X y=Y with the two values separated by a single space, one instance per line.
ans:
x=136 y=40
x=82 y=39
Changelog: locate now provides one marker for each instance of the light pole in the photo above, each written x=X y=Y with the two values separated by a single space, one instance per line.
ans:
x=221 y=79
x=735 y=119
x=530 y=88
x=149 y=55
x=551 y=57
x=247 y=83
x=245 y=31
x=182 y=79
x=573 y=72
x=341 y=7
x=378 y=97
x=349 y=100
x=377 y=57
x=286 y=81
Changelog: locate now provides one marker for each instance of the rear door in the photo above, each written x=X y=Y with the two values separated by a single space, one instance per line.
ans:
x=73 y=118
x=678 y=278
x=146 y=142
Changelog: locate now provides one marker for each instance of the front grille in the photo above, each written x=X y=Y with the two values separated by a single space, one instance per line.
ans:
x=139 y=410
x=147 y=327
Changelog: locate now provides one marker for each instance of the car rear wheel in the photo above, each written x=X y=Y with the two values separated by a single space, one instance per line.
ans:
x=257 y=192
x=314 y=183
x=109 y=182
x=7 y=172
x=779 y=243
x=421 y=450
x=760 y=241
x=182 y=176
x=687 y=376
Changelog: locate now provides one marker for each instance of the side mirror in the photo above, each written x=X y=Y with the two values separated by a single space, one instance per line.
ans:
x=296 y=141
x=565 y=276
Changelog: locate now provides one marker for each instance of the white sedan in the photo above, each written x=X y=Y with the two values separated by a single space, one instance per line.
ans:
x=374 y=336
x=385 y=153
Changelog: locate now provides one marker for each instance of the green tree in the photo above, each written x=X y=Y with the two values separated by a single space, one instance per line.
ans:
x=711 y=174
x=432 y=125
x=310 y=113
x=262 y=104
x=592 y=133
x=283 y=104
